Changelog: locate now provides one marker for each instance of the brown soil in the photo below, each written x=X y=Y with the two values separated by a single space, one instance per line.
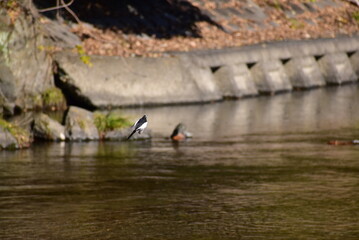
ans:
x=327 y=22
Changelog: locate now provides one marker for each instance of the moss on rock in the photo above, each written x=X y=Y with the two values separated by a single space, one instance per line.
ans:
x=22 y=137
x=109 y=122
x=53 y=99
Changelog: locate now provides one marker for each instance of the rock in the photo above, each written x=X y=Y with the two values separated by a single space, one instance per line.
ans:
x=79 y=125
x=25 y=64
x=180 y=133
x=48 y=129
x=122 y=134
x=7 y=140
x=60 y=34
x=53 y=99
x=6 y=107
x=114 y=126
x=13 y=137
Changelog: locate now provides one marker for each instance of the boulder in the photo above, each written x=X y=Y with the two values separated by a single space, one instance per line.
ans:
x=25 y=64
x=48 y=129
x=80 y=125
x=13 y=136
x=7 y=140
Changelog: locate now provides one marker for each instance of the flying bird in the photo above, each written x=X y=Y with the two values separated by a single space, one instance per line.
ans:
x=139 y=126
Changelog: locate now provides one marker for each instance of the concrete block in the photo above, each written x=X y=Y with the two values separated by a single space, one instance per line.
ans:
x=117 y=81
x=200 y=77
x=354 y=60
x=274 y=50
x=304 y=72
x=235 y=81
x=337 y=69
x=270 y=77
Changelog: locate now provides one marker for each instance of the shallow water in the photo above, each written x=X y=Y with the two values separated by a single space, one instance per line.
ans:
x=256 y=168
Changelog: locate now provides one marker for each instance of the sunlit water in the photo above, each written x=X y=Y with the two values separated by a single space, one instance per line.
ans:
x=257 y=168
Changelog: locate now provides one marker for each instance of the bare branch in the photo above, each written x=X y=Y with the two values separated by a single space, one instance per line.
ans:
x=71 y=12
x=64 y=5
x=57 y=10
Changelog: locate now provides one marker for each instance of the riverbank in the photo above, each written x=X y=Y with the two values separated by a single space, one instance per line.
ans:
x=41 y=56
x=211 y=50
x=198 y=44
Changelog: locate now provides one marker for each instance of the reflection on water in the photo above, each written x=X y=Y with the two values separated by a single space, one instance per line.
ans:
x=257 y=168
x=298 y=111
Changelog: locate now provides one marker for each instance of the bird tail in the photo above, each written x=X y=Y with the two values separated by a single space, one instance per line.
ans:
x=133 y=132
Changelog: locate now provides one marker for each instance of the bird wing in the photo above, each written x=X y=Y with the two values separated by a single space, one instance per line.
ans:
x=140 y=122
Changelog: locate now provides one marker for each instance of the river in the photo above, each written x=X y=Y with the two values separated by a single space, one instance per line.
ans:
x=256 y=168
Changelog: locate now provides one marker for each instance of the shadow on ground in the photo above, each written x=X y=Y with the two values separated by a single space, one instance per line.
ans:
x=155 y=18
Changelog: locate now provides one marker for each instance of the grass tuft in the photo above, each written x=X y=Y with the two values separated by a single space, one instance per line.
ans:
x=110 y=122
x=53 y=99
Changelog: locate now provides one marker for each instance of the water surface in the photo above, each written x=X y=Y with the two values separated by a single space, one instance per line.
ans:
x=256 y=168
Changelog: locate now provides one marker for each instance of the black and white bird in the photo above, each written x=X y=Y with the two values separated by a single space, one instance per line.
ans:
x=139 y=126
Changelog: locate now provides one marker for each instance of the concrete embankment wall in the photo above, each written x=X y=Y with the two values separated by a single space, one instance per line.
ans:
x=284 y=66
x=203 y=76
